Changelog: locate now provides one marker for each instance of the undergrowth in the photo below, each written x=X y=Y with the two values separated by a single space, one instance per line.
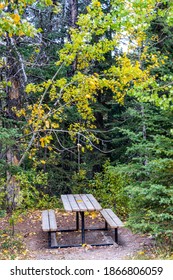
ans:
x=11 y=247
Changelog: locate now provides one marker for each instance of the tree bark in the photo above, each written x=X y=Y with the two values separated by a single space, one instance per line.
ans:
x=72 y=24
x=144 y=130
x=15 y=74
x=74 y=12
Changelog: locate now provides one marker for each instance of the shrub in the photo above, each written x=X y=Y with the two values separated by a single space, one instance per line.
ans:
x=109 y=188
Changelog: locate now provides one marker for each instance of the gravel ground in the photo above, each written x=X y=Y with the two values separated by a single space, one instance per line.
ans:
x=37 y=245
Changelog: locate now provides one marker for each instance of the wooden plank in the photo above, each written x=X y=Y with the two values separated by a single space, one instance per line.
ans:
x=115 y=218
x=80 y=202
x=45 y=221
x=52 y=220
x=54 y=242
x=66 y=203
x=73 y=203
x=94 y=202
x=87 y=202
x=108 y=218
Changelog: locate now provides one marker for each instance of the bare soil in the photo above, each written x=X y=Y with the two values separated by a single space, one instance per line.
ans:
x=36 y=241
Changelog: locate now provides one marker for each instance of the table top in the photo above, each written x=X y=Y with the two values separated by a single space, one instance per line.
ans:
x=80 y=202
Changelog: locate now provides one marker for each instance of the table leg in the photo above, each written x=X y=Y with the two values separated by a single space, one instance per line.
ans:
x=77 y=220
x=83 y=227
x=116 y=235
x=49 y=239
x=106 y=225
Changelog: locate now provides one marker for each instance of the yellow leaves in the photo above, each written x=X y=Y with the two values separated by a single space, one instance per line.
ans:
x=21 y=112
x=53 y=92
x=55 y=125
x=141 y=253
x=37 y=111
x=45 y=140
x=4 y=235
x=20 y=219
x=89 y=147
x=21 y=33
x=5 y=251
x=50 y=124
x=98 y=4
x=32 y=153
x=42 y=142
x=47 y=124
x=37 y=50
x=126 y=74
x=48 y=2
x=2 y=5
x=30 y=88
x=62 y=82
x=43 y=161
x=93 y=215
x=16 y=18
x=29 y=121
x=141 y=37
x=80 y=91
x=88 y=96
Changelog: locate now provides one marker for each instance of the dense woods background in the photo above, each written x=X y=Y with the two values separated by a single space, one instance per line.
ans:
x=86 y=92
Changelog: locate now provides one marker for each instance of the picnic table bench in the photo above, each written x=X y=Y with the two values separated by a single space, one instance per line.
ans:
x=79 y=203
x=113 y=221
x=49 y=225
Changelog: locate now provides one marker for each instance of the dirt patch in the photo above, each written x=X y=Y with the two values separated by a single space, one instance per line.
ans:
x=36 y=241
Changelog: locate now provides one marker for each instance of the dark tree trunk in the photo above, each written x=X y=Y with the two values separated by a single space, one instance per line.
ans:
x=13 y=100
x=72 y=24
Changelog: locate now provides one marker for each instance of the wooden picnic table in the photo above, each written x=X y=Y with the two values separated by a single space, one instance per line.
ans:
x=80 y=203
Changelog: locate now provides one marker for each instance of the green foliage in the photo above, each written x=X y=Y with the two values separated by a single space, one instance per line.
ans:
x=109 y=188
x=33 y=185
x=149 y=171
x=80 y=182
x=151 y=208
x=2 y=196
x=2 y=213
x=8 y=136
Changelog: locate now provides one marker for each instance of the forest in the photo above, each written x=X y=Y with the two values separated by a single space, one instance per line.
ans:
x=86 y=106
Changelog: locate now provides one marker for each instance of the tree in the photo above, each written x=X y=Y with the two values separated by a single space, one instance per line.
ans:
x=147 y=135
x=13 y=82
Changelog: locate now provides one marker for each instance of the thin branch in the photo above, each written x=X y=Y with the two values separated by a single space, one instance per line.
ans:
x=64 y=148
x=45 y=92
x=20 y=60
x=27 y=149
x=97 y=148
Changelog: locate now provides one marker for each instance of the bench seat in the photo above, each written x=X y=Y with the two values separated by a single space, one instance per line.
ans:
x=49 y=221
x=49 y=225
x=112 y=220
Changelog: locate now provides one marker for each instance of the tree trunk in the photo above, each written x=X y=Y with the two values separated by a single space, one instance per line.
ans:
x=14 y=68
x=13 y=188
x=144 y=131
x=72 y=24
x=74 y=12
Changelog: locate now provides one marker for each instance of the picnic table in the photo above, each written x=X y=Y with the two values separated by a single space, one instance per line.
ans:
x=80 y=203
